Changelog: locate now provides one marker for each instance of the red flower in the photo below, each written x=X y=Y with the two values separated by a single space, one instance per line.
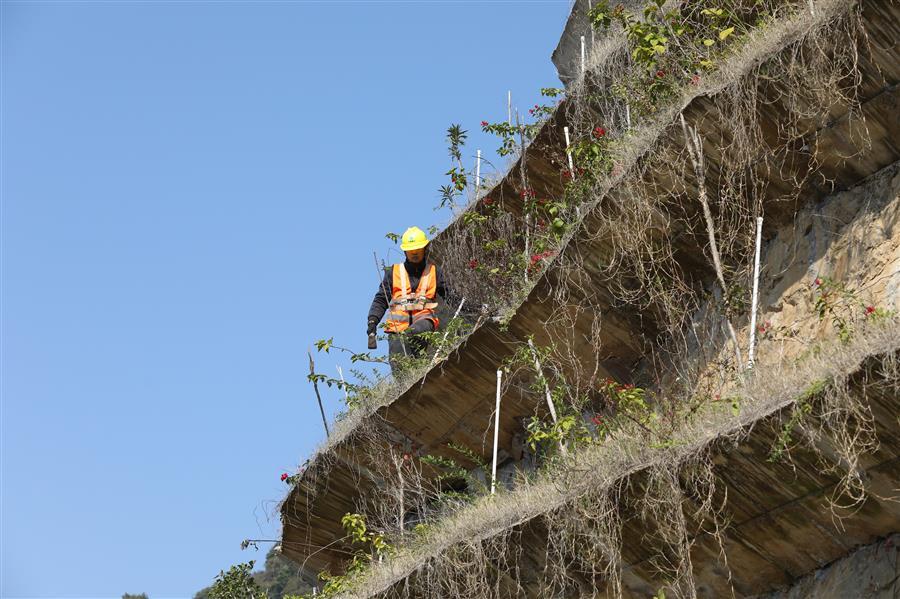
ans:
x=597 y=420
x=473 y=263
x=695 y=80
x=284 y=476
x=870 y=310
x=488 y=201
x=599 y=132
x=817 y=282
x=660 y=74
x=527 y=193
x=484 y=123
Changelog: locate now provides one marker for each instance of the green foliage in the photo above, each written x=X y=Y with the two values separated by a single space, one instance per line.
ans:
x=451 y=470
x=355 y=525
x=669 y=46
x=569 y=430
x=374 y=547
x=130 y=596
x=236 y=583
x=508 y=134
x=456 y=139
x=801 y=409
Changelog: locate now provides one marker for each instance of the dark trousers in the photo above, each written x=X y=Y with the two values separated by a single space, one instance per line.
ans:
x=408 y=343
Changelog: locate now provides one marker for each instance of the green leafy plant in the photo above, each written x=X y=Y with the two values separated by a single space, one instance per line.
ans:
x=456 y=139
x=374 y=546
x=236 y=583
x=801 y=409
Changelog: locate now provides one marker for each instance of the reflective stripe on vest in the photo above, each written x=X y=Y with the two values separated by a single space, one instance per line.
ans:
x=407 y=308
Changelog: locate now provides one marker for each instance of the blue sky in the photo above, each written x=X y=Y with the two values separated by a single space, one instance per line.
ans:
x=191 y=195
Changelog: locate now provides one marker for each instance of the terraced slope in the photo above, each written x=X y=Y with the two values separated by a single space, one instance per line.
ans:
x=753 y=115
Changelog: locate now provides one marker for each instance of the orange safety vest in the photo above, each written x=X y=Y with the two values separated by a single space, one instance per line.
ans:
x=407 y=308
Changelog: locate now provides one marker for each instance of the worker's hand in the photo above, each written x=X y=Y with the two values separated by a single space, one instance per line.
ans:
x=370 y=331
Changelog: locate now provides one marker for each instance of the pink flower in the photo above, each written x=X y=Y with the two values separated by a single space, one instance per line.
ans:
x=660 y=74
x=695 y=80
x=473 y=263
x=599 y=132
x=484 y=123
x=488 y=201
x=870 y=310
x=284 y=476
x=817 y=282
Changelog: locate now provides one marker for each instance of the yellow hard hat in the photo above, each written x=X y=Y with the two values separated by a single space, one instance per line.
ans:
x=413 y=239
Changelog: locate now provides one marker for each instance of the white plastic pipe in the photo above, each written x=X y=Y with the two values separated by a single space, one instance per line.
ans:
x=568 y=153
x=343 y=383
x=582 y=55
x=477 y=172
x=496 y=433
x=755 y=301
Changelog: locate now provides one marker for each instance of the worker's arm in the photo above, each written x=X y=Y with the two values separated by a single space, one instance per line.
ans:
x=379 y=303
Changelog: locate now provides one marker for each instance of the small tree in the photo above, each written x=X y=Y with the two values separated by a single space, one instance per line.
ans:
x=237 y=583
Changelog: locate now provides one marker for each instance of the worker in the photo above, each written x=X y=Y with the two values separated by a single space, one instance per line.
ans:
x=409 y=290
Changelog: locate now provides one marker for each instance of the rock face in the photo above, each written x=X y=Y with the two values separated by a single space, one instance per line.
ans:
x=852 y=237
x=849 y=242
x=567 y=55
x=871 y=572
